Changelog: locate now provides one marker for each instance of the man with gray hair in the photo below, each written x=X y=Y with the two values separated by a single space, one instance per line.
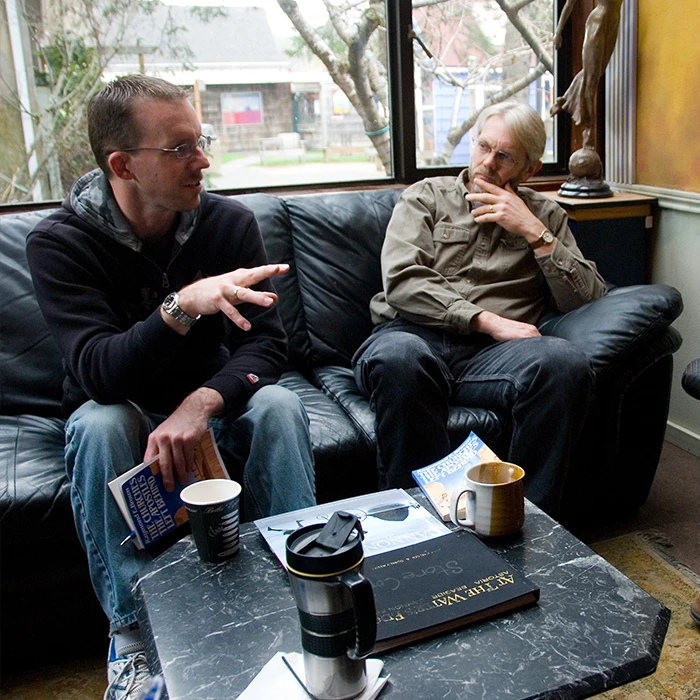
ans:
x=469 y=266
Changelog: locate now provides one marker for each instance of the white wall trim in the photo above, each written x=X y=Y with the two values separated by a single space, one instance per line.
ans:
x=683 y=438
x=668 y=199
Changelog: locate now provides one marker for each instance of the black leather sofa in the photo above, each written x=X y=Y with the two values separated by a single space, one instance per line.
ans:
x=332 y=242
x=690 y=381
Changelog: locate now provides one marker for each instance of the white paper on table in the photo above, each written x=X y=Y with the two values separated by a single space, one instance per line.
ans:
x=275 y=680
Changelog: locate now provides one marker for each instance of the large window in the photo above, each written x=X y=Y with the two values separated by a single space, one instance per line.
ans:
x=295 y=92
x=468 y=55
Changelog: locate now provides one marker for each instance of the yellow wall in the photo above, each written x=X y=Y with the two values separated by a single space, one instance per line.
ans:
x=668 y=94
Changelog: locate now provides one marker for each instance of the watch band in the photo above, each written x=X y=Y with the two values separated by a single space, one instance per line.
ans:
x=545 y=238
x=171 y=307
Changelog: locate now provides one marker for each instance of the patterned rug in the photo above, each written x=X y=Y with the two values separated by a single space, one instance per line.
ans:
x=646 y=558
x=643 y=557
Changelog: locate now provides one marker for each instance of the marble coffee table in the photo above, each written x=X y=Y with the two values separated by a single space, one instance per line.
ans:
x=210 y=628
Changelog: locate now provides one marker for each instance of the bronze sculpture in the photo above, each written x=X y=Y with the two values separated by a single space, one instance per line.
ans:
x=580 y=98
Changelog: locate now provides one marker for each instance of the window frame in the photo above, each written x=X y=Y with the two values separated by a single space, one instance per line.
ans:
x=399 y=22
x=403 y=122
x=406 y=170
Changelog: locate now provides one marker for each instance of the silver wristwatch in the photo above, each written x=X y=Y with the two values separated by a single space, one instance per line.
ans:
x=170 y=306
x=545 y=238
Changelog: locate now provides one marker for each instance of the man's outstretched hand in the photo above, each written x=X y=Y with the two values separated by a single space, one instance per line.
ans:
x=224 y=292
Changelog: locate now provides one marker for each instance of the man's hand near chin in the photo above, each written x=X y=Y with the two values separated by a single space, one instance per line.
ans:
x=500 y=328
x=503 y=206
x=175 y=439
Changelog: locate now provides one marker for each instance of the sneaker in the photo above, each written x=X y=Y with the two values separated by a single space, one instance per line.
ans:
x=695 y=611
x=126 y=674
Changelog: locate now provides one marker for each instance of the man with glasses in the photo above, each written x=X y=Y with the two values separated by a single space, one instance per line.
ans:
x=160 y=299
x=469 y=267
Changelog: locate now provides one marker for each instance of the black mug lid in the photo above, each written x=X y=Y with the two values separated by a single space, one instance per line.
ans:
x=326 y=550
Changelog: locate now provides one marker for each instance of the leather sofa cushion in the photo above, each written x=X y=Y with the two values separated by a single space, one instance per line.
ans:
x=690 y=381
x=273 y=219
x=45 y=581
x=343 y=458
x=32 y=373
x=337 y=243
x=339 y=382
x=33 y=481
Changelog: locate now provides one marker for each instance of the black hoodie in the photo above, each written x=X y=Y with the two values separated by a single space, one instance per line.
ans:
x=100 y=294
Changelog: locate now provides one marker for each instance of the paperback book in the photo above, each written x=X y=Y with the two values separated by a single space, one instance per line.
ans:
x=390 y=520
x=435 y=586
x=151 y=512
x=440 y=479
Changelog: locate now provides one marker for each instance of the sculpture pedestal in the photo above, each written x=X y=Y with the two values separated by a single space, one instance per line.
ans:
x=585 y=188
x=612 y=231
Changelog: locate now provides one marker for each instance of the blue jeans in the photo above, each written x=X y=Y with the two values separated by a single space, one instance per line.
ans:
x=411 y=374
x=267 y=449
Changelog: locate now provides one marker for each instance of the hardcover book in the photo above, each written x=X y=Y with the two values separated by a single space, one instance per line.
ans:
x=435 y=586
x=151 y=512
x=440 y=479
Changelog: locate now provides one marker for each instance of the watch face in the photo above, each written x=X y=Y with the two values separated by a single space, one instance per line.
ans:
x=548 y=237
x=169 y=303
x=170 y=306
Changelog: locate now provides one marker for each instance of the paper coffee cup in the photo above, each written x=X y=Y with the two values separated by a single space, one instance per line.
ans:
x=212 y=508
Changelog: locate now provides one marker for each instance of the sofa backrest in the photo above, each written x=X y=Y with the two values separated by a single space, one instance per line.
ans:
x=334 y=251
x=273 y=218
x=31 y=372
x=331 y=241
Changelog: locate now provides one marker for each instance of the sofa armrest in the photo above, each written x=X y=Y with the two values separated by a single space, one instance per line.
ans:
x=619 y=325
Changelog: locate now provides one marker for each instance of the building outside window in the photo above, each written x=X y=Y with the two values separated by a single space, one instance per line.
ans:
x=241 y=108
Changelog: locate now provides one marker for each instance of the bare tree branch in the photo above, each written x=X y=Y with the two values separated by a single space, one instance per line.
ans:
x=427 y=3
x=458 y=133
x=518 y=5
x=512 y=12
x=355 y=77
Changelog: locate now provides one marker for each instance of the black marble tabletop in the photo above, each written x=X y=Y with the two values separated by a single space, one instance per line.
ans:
x=211 y=628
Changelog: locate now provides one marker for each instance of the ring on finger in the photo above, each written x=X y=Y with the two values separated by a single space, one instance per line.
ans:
x=491 y=208
x=235 y=293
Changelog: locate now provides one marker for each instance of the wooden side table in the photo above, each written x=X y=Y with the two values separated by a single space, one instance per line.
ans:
x=613 y=232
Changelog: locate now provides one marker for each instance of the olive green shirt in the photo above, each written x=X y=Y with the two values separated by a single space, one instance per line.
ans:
x=440 y=268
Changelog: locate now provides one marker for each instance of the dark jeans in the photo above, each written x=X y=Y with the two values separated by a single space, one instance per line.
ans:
x=411 y=374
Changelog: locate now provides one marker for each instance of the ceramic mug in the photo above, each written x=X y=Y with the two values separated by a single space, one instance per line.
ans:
x=495 y=499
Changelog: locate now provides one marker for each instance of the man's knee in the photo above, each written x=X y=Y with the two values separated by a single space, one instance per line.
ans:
x=556 y=369
x=103 y=440
x=277 y=402
x=102 y=420
x=397 y=356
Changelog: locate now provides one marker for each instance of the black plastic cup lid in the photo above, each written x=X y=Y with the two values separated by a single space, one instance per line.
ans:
x=307 y=557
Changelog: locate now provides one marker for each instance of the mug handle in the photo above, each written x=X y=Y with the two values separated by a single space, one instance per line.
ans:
x=365 y=613
x=454 y=501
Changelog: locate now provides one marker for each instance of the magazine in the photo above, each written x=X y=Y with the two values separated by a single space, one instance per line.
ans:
x=390 y=520
x=150 y=511
x=440 y=479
